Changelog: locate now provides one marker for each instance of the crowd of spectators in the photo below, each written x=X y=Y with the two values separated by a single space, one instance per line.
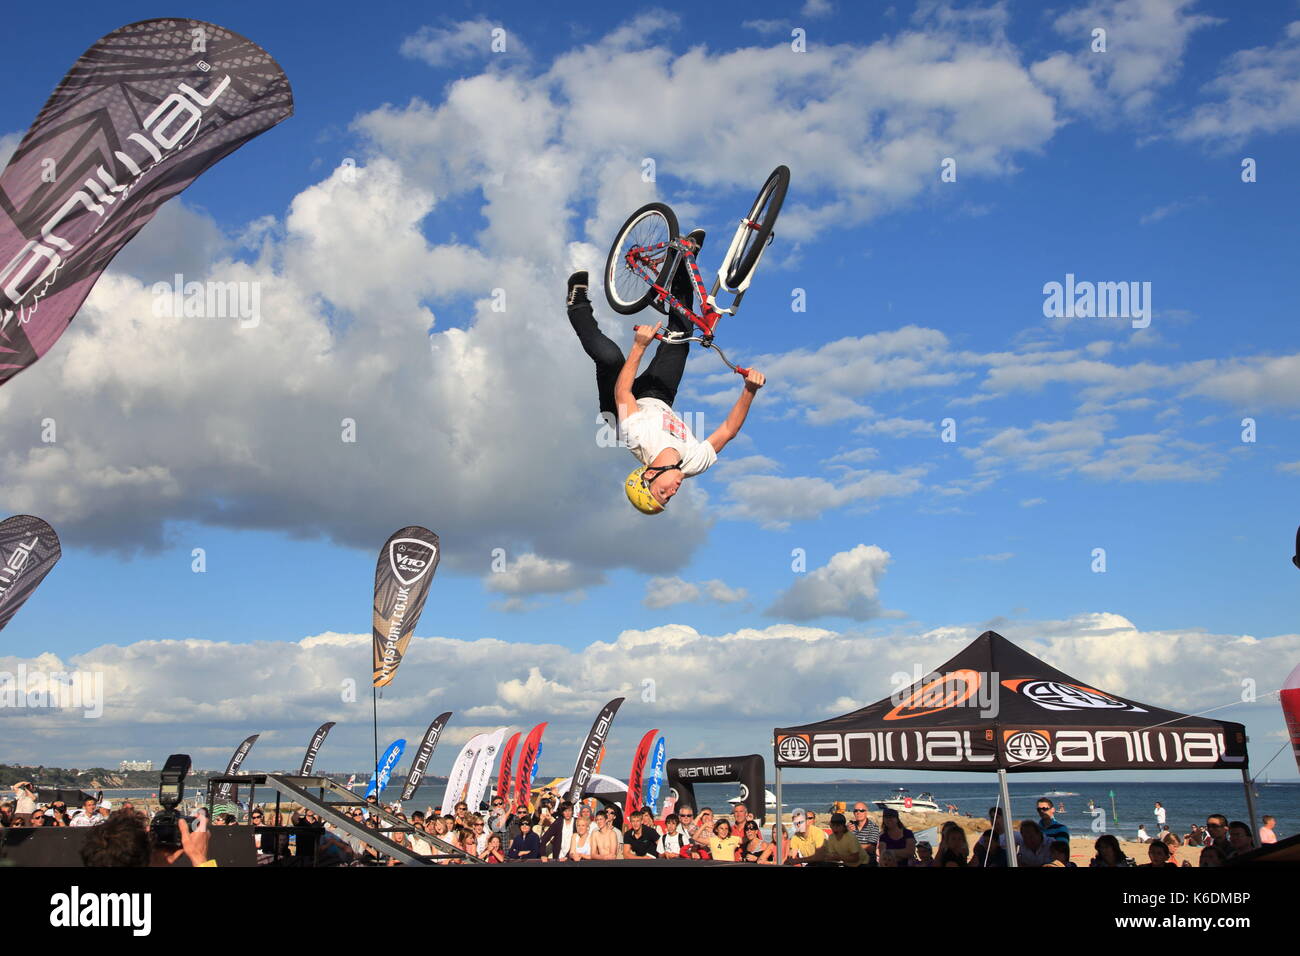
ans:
x=556 y=830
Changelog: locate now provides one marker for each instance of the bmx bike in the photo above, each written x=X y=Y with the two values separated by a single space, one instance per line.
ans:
x=649 y=250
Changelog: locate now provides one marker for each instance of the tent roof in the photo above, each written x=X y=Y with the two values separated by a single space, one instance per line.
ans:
x=994 y=706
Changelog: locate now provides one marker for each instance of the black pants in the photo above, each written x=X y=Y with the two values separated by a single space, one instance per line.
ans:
x=661 y=377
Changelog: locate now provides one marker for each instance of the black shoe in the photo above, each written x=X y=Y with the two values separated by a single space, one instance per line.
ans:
x=577 y=289
x=696 y=237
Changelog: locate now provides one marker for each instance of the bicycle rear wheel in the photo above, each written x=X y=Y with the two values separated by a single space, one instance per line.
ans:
x=639 y=257
x=757 y=226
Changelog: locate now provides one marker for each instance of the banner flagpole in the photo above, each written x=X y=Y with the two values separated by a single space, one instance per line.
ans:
x=780 y=827
x=374 y=709
x=1007 y=828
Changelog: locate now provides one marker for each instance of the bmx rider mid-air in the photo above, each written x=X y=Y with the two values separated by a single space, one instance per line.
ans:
x=643 y=404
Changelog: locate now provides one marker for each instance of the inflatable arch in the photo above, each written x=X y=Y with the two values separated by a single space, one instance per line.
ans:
x=683 y=775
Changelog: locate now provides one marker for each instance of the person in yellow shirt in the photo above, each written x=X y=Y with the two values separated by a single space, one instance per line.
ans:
x=807 y=840
x=840 y=847
x=722 y=844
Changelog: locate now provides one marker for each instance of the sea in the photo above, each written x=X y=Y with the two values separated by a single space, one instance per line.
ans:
x=1127 y=804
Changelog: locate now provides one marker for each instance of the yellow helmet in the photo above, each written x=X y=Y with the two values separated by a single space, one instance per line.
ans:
x=638 y=492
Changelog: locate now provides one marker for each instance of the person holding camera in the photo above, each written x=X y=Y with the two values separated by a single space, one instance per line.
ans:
x=123 y=841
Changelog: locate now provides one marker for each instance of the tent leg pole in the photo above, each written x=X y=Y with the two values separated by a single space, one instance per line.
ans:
x=1250 y=805
x=1008 y=830
x=780 y=810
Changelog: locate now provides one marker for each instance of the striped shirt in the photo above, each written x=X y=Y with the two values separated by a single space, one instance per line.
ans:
x=869 y=834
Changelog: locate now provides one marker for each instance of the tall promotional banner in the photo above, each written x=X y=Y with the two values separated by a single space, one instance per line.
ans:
x=387 y=764
x=482 y=772
x=402 y=576
x=422 y=756
x=636 y=779
x=29 y=548
x=313 y=748
x=138 y=118
x=458 y=782
x=658 y=776
x=507 y=760
x=1291 y=710
x=225 y=790
x=591 y=747
x=528 y=755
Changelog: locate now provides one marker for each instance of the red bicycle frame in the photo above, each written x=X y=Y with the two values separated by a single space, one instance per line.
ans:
x=639 y=259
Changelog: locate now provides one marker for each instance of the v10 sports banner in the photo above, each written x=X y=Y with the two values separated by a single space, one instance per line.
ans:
x=402 y=578
x=458 y=781
x=313 y=748
x=482 y=772
x=138 y=118
x=636 y=779
x=387 y=764
x=428 y=744
x=507 y=761
x=658 y=776
x=589 y=755
x=225 y=790
x=29 y=548
x=528 y=764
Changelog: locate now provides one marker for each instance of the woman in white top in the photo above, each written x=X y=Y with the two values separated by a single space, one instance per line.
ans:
x=580 y=845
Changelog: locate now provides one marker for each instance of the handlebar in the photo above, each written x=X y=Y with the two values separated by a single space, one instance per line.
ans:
x=672 y=338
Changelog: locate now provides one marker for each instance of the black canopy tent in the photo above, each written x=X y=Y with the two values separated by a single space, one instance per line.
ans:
x=996 y=707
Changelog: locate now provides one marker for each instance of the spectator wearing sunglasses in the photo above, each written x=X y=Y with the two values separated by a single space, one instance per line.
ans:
x=526 y=846
x=866 y=832
x=753 y=848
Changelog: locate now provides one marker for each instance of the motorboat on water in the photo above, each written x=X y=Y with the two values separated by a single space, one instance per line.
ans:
x=769 y=799
x=904 y=802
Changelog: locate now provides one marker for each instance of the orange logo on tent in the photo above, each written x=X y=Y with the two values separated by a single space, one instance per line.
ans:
x=942 y=693
x=793 y=747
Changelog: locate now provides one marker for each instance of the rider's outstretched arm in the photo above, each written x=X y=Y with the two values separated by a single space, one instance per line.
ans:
x=730 y=428
x=627 y=375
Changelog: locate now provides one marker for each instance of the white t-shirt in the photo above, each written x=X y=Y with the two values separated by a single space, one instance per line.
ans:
x=672 y=842
x=83 y=819
x=654 y=426
x=1160 y=816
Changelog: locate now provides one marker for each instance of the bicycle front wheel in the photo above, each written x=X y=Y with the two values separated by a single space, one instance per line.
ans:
x=639 y=258
x=757 y=226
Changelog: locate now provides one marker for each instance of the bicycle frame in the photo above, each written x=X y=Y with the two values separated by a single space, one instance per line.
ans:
x=639 y=261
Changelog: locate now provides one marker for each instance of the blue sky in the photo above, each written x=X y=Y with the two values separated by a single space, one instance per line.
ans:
x=925 y=302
